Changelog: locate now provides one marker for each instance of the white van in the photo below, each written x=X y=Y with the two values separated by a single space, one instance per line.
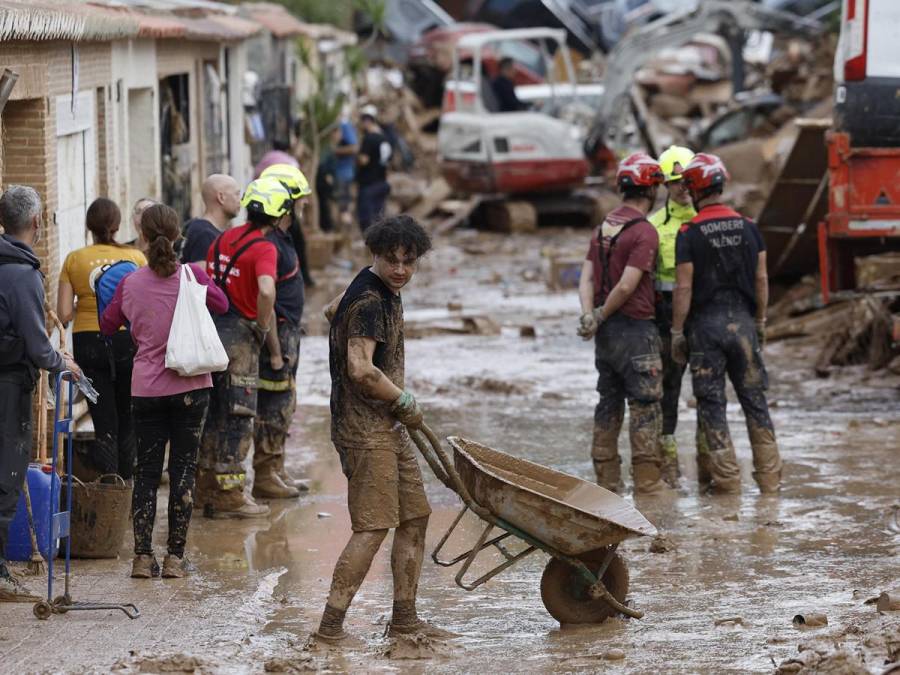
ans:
x=867 y=73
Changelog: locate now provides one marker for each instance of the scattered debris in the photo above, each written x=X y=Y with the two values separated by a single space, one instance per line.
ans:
x=810 y=620
x=888 y=601
x=662 y=543
x=300 y=664
x=731 y=621
x=495 y=386
x=323 y=514
x=614 y=654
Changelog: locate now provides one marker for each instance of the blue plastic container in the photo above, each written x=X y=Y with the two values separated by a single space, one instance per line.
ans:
x=42 y=489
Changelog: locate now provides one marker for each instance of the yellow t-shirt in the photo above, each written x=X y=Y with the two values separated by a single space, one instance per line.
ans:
x=80 y=270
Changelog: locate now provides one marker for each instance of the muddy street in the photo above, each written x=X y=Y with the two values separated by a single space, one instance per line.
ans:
x=720 y=588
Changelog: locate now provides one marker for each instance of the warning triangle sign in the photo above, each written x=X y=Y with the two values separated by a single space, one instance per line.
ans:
x=883 y=199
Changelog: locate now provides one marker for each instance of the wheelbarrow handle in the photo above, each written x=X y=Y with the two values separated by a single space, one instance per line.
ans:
x=443 y=468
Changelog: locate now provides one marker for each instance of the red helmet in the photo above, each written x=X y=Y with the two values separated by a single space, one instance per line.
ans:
x=703 y=172
x=639 y=170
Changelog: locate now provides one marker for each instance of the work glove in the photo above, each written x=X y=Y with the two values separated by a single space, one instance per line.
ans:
x=679 y=347
x=761 y=332
x=589 y=323
x=407 y=411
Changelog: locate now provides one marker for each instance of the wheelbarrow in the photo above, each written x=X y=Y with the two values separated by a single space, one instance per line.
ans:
x=578 y=524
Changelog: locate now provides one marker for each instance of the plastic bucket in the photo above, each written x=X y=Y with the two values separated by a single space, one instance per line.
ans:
x=18 y=545
x=100 y=513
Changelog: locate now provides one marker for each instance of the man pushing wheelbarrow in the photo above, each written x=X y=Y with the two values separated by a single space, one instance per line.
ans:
x=577 y=523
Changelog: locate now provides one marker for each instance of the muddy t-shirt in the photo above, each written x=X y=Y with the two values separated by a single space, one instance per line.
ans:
x=633 y=246
x=369 y=309
x=724 y=248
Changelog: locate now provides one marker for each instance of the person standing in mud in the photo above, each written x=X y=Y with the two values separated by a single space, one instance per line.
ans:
x=618 y=310
x=244 y=264
x=221 y=203
x=677 y=210
x=24 y=349
x=169 y=409
x=719 y=318
x=278 y=360
x=370 y=411
x=107 y=361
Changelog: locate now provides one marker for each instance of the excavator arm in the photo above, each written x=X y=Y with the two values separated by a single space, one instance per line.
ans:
x=729 y=18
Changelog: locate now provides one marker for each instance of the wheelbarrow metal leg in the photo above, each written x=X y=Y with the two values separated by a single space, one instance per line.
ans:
x=480 y=545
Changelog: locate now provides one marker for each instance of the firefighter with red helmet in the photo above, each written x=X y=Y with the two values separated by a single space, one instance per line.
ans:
x=618 y=310
x=719 y=319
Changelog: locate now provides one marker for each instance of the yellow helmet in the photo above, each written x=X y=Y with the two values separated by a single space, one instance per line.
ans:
x=291 y=177
x=674 y=161
x=268 y=196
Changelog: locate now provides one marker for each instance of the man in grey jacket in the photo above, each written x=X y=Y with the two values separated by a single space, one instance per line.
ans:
x=24 y=348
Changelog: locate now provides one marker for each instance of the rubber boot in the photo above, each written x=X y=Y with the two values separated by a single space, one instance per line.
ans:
x=704 y=477
x=609 y=474
x=669 y=456
x=766 y=459
x=648 y=479
x=607 y=463
x=724 y=471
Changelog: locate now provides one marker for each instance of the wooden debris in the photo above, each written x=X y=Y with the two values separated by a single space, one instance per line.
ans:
x=510 y=216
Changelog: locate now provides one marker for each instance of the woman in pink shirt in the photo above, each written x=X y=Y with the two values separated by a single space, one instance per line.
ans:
x=167 y=408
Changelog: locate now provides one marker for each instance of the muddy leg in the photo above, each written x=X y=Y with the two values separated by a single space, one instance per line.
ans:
x=645 y=423
x=605 y=449
x=748 y=375
x=406 y=566
x=151 y=420
x=708 y=373
x=186 y=420
x=349 y=572
x=269 y=437
x=608 y=416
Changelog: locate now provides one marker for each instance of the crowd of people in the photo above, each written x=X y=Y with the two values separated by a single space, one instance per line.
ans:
x=685 y=284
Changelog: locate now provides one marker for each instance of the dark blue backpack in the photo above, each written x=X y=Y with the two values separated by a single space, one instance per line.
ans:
x=108 y=281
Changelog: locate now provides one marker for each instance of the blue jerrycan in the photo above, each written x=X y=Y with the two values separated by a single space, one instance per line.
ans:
x=43 y=486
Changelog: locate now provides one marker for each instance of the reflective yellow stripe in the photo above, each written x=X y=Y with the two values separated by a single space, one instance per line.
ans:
x=275 y=385
x=231 y=481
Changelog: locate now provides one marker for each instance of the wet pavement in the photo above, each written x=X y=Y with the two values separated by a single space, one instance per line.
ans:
x=829 y=542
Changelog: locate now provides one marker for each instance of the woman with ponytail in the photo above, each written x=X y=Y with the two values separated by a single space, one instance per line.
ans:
x=168 y=408
x=106 y=361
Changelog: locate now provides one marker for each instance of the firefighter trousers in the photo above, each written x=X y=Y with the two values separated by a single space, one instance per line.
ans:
x=723 y=342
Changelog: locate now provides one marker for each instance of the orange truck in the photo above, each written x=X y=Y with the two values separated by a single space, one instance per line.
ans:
x=864 y=148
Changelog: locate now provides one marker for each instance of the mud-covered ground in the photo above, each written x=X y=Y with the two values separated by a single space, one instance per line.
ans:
x=827 y=544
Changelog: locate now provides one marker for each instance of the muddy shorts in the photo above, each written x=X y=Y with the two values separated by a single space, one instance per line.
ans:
x=384 y=487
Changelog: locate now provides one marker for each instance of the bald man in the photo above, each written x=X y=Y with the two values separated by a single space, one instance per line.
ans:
x=221 y=202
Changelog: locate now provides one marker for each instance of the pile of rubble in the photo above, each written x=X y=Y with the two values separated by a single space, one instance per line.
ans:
x=861 y=328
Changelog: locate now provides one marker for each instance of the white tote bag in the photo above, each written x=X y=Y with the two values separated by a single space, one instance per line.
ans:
x=194 y=346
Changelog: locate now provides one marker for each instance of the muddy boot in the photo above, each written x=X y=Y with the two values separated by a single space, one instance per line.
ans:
x=268 y=485
x=173 y=567
x=11 y=589
x=766 y=459
x=144 y=566
x=331 y=627
x=605 y=455
x=204 y=488
x=234 y=504
x=648 y=480
x=724 y=472
x=300 y=483
x=609 y=475
x=669 y=451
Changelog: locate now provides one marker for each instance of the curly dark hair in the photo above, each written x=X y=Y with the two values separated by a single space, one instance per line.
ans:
x=389 y=234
